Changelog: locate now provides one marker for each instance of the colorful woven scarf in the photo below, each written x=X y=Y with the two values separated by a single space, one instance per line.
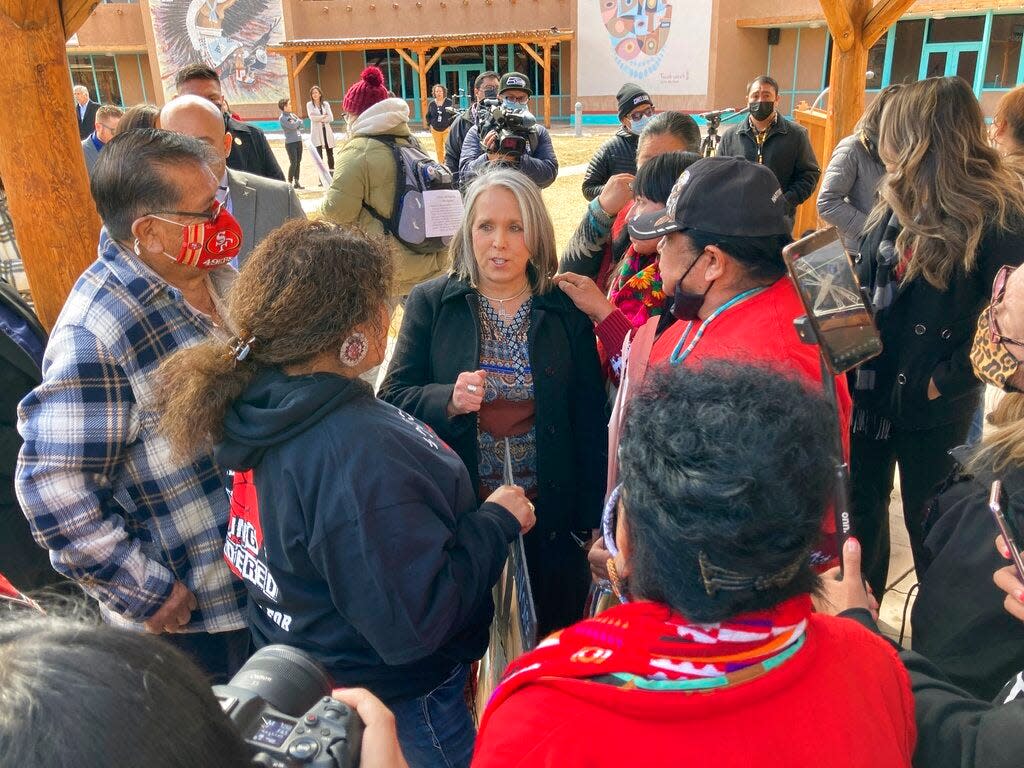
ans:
x=641 y=642
x=636 y=288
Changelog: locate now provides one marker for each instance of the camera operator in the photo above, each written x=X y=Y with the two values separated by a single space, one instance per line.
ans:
x=485 y=94
x=618 y=154
x=510 y=137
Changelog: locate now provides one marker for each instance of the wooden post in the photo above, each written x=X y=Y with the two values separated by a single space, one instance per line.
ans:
x=43 y=168
x=547 y=85
x=421 y=60
x=293 y=82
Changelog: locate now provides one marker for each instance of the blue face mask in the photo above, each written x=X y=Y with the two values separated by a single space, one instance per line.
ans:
x=511 y=105
x=637 y=126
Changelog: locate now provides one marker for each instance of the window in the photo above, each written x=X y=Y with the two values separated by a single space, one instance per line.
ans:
x=876 y=62
x=960 y=29
x=399 y=78
x=99 y=75
x=1004 y=51
x=906 y=53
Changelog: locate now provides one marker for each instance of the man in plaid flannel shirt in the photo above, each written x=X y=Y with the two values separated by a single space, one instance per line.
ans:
x=141 y=530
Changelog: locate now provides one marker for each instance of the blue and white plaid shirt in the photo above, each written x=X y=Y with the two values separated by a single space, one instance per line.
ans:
x=98 y=483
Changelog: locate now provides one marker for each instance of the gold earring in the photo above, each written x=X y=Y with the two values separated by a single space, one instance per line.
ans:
x=618 y=584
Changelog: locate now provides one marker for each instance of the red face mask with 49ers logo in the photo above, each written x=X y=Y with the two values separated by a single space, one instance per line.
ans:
x=208 y=244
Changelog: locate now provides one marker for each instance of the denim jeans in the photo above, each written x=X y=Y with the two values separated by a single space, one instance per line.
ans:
x=436 y=730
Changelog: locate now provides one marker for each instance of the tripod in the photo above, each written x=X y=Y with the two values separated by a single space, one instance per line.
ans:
x=709 y=144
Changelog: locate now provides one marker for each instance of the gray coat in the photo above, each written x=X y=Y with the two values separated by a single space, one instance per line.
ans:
x=261 y=205
x=848 y=191
x=91 y=153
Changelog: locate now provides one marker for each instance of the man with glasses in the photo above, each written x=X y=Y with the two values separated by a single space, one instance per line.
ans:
x=538 y=161
x=618 y=154
x=138 y=527
x=259 y=204
x=107 y=118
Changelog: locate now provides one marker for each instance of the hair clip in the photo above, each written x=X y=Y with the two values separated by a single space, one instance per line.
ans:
x=716 y=578
x=240 y=349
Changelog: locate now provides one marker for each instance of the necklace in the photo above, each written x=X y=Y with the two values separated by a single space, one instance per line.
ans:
x=678 y=357
x=505 y=316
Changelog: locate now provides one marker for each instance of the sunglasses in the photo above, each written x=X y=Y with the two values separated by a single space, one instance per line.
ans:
x=210 y=216
x=998 y=292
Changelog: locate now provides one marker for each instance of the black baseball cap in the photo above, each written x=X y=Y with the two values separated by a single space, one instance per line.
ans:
x=722 y=196
x=514 y=81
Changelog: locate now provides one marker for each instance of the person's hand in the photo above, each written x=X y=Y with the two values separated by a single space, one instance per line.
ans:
x=598 y=558
x=468 y=395
x=175 y=613
x=616 y=193
x=1008 y=580
x=513 y=498
x=933 y=391
x=849 y=591
x=585 y=295
x=490 y=141
x=380 y=748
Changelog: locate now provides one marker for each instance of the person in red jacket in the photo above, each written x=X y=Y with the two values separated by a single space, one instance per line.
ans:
x=714 y=656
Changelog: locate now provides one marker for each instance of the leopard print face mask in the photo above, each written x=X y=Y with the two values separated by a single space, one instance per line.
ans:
x=992 y=361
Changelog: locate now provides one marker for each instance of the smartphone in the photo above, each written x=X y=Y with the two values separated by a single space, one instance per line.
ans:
x=836 y=309
x=1007 y=525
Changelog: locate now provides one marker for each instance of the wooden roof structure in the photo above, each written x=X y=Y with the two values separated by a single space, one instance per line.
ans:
x=426 y=49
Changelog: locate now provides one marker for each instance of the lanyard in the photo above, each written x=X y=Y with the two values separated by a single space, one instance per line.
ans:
x=677 y=357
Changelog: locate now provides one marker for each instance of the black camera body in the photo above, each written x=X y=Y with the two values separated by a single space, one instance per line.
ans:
x=280 y=702
x=516 y=129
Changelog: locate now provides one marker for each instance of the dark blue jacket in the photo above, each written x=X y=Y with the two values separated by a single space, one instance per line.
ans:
x=539 y=164
x=370 y=552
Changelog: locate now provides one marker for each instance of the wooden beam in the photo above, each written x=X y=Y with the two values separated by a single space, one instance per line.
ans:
x=424 y=95
x=302 y=64
x=883 y=15
x=848 y=76
x=293 y=82
x=547 y=86
x=435 y=57
x=48 y=191
x=528 y=47
x=408 y=59
x=74 y=13
x=840 y=23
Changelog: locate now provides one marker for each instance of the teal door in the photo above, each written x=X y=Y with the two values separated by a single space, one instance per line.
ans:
x=952 y=60
x=458 y=79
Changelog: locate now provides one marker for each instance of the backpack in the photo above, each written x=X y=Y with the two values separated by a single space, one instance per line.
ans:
x=417 y=173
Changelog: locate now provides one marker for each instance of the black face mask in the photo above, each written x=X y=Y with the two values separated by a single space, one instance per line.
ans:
x=761 y=110
x=686 y=304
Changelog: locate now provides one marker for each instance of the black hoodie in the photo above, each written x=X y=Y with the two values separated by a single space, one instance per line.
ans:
x=366 y=548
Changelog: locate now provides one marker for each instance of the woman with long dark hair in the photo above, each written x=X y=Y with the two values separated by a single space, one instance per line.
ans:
x=950 y=214
x=320 y=131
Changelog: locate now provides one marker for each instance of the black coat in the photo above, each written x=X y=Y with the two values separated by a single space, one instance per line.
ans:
x=927 y=333
x=617 y=155
x=440 y=339
x=250 y=151
x=86 y=123
x=786 y=151
x=958 y=619
x=453 y=144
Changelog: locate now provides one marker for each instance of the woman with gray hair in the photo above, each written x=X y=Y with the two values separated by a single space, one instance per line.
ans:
x=490 y=355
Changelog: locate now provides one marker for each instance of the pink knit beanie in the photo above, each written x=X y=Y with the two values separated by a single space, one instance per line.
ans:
x=367 y=92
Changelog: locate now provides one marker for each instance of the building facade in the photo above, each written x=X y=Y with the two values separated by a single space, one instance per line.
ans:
x=128 y=52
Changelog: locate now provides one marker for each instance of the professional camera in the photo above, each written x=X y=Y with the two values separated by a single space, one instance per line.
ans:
x=280 y=701
x=516 y=129
x=483 y=111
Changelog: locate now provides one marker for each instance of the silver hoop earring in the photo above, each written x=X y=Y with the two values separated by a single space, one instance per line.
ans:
x=136 y=247
x=354 y=349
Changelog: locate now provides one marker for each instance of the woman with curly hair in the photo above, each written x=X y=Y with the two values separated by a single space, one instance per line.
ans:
x=951 y=213
x=356 y=530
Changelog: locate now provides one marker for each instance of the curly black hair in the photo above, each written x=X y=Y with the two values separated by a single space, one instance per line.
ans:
x=733 y=461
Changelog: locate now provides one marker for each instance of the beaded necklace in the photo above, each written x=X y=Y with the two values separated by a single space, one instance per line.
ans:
x=677 y=357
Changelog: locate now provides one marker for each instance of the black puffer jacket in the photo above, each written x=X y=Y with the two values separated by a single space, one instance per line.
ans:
x=617 y=155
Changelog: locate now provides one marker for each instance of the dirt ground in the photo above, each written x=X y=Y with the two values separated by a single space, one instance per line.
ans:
x=564 y=198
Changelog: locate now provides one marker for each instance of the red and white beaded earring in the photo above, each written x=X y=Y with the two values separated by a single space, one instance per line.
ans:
x=354 y=349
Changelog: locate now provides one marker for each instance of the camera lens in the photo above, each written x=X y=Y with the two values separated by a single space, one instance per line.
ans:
x=288 y=679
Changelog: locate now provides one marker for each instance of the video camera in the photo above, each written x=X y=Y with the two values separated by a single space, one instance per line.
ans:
x=483 y=111
x=281 y=703
x=516 y=129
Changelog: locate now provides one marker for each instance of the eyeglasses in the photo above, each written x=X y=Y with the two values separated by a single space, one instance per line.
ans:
x=104 y=125
x=998 y=292
x=210 y=215
x=642 y=113
x=516 y=99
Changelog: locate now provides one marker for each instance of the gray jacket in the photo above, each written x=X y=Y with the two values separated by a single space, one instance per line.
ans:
x=848 y=190
x=91 y=153
x=261 y=205
x=290 y=124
